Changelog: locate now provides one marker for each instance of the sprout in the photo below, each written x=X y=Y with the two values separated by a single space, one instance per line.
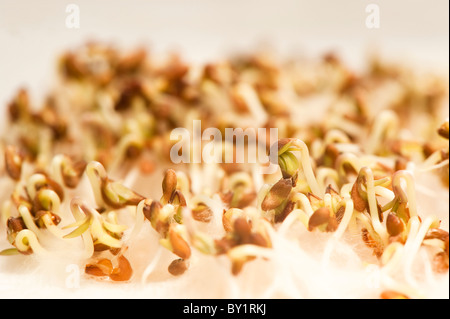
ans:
x=366 y=176
x=108 y=192
x=101 y=231
x=66 y=171
x=242 y=244
x=242 y=190
x=13 y=162
x=409 y=196
x=358 y=182
x=289 y=164
x=277 y=194
x=26 y=243
x=345 y=162
x=385 y=127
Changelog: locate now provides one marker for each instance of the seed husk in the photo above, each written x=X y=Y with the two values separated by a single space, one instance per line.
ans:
x=242 y=229
x=359 y=203
x=277 y=194
x=53 y=217
x=202 y=213
x=394 y=225
x=103 y=267
x=123 y=272
x=178 y=267
x=179 y=245
x=444 y=130
x=287 y=209
x=13 y=162
x=16 y=224
x=440 y=263
x=169 y=184
x=321 y=217
x=72 y=172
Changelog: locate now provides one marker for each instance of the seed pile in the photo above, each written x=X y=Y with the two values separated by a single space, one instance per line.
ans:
x=350 y=147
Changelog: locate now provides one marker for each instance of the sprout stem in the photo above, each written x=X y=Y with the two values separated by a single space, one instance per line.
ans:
x=96 y=173
x=26 y=239
x=307 y=167
x=373 y=207
x=410 y=190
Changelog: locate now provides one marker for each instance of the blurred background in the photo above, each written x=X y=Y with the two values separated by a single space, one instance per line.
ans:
x=34 y=33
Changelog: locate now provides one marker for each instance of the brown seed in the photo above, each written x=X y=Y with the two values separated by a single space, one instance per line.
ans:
x=131 y=62
x=281 y=216
x=223 y=245
x=169 y=184
x=277 y=194
x=177 y=198
x=244 y=200
x=151 y=209
x=111 y=190
x=440 y=262
x=258 y=240
x=236 y=266
x=123 y=272
x=390 y=294
x=226 y=221
x=371 y=243
x=242 y=229
x=437 y=233
x=94 y=270
x=178 y=267
x=179 y=245
x=133 y=151
x=340 y=214
x=400 y=164
x=332 y=224
x=394 y=225
x=226 y=198
x=446 y=245
x=330 y=155
x=202 y=213
x=102 y=268
x=320 y=217
x=53 y=217
x=72 y=172
x=444 y=130
x=71 y=67
x=358 y=202
x=16 y=224
x=19 y=107
x=13 y=162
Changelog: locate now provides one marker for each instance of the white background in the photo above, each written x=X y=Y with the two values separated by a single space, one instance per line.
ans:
x=33 y=33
